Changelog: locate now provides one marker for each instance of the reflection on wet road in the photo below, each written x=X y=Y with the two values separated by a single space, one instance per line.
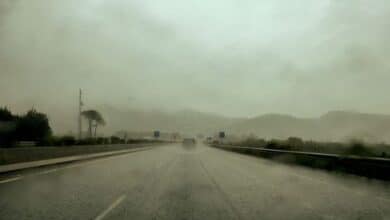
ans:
x=173 y=182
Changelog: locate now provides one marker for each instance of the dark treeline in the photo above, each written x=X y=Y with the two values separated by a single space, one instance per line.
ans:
x=32 y=126
x=71 y=141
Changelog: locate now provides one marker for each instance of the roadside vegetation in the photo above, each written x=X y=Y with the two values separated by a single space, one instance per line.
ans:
x=34 y=127
x=354 y=147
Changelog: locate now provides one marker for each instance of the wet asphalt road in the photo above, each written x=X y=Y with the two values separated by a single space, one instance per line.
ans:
x=172 y=182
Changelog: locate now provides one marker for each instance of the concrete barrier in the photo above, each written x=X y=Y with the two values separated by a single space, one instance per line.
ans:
x=372 y=167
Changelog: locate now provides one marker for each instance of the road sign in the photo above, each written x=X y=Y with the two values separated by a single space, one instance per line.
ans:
x=156 y=134
x=222 y=134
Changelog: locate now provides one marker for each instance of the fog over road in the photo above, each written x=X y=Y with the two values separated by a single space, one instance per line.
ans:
x=171 y=182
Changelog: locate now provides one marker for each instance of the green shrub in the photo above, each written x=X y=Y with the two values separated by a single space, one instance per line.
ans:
x=277 y=145
x=253 y=142
x=67 y=141
x=100 y=140
x=359 y=149
x=115 y=140
x=86 y=141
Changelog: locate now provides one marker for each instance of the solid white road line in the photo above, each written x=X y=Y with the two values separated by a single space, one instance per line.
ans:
x=11 y=179
x=47 y=171
x=111 y=207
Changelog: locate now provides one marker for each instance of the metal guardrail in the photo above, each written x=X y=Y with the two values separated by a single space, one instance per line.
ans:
x=372 y=167
x=336 y=156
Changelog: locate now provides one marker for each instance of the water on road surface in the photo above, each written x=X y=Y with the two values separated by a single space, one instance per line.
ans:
x=172 y=182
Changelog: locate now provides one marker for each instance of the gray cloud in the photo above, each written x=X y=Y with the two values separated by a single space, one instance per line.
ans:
x=240 y=59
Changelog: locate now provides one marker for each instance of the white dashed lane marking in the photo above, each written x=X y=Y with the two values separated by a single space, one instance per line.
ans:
x=110 y=208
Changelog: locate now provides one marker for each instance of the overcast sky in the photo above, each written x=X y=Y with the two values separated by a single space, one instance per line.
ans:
x=234 y=57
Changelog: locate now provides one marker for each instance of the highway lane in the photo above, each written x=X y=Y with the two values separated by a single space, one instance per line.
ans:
x=172 y=182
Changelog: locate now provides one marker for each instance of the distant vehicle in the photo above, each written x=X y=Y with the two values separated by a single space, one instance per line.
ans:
x=189 y=141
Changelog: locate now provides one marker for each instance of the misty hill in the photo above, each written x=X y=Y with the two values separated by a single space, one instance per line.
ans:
x=333 y=126
x=185 y=121
x=275 y=126
x=370 y=127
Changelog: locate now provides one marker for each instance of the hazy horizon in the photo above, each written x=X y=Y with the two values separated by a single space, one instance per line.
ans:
x=194 y=109
x=237 y=59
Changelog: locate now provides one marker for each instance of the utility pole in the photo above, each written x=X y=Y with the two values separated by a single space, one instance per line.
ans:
x=80 y=110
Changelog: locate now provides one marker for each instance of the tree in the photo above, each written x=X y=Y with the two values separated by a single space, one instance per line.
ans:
x=7 y=127
x=6 y=115
x=34 y=126
x=94 y=120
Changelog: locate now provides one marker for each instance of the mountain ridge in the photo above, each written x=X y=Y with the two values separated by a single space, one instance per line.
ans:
x=330 y=126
